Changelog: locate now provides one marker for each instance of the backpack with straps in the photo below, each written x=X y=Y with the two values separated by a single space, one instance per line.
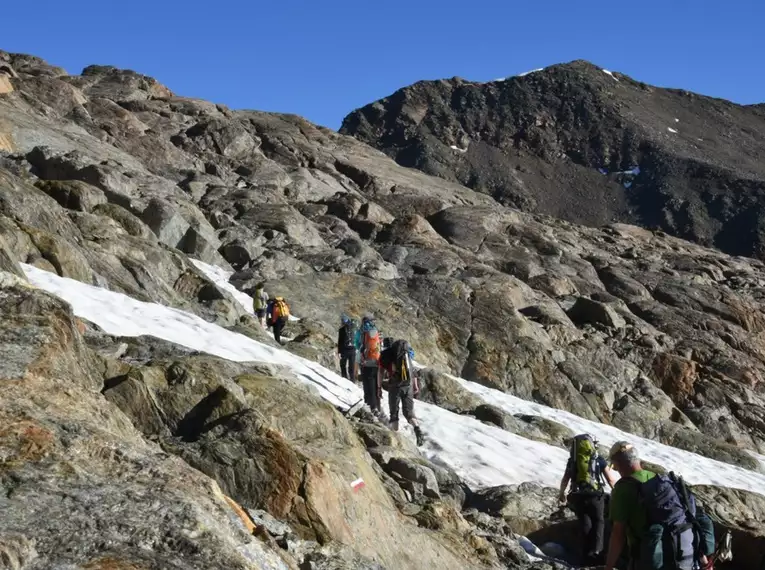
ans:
x=395 y=359
x=676 y=533
x=281 y=309
x=350 y=334
x=370 y=346
x=584 y=458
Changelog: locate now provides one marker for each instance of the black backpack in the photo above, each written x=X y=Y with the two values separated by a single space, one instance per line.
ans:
x=350 y=336
x=397 y=354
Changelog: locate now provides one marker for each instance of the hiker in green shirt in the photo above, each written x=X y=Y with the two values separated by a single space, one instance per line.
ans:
x=628 y=512
x=627 y=516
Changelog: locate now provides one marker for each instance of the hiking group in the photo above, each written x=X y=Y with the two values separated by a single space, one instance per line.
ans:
x=656 y=523
x=272 y=313
x=380 y=363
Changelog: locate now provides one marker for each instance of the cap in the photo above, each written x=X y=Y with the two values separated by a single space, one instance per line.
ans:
x=619 y=447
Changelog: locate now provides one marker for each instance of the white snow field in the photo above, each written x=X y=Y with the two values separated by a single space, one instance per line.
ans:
x=482 y=455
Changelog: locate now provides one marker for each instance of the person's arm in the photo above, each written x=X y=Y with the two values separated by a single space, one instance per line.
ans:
x=340 y=334
x=416 y=384
x=564 y=485
x=616 y=544
x=609 y=475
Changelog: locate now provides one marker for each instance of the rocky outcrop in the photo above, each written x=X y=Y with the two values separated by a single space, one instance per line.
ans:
x=81 y=486
x=229 y=421
x=586 y=146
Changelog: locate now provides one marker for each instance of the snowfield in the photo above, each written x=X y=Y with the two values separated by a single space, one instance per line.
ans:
x=482 y=455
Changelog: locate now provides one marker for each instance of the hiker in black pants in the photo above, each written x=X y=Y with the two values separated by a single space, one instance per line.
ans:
x=346 y=347
x=397 y=374
x=277 y=315
x=586 y=472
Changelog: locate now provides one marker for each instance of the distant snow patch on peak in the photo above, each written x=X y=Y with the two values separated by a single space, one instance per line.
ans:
x=677 y=120
x=525 y=73
x=671 y=130
x=610 y=74
x=458 y=149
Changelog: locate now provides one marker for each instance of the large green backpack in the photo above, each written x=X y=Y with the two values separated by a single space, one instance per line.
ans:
x=584 y=461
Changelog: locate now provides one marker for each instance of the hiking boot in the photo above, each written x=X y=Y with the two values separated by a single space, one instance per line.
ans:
x=419 y=436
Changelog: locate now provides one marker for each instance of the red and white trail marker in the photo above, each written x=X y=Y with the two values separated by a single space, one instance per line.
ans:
x=358 y=484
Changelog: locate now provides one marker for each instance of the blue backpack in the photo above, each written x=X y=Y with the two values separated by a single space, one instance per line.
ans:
x=677 y=533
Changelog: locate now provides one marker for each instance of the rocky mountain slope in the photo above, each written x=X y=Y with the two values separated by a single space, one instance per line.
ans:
x=110 y=179
x=538 y=142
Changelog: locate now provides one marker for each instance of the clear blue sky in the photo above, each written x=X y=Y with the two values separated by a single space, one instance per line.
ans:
x=324 y=58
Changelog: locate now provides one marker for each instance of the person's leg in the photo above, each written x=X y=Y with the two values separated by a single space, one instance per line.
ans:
x=370 y=373
x=588 y=527
x=407 y=404
x=351 y=356
x=278 y=326
x=369 y=386
x=599 y=524
x=393 y=399
x=577 y=504
x=344 y=365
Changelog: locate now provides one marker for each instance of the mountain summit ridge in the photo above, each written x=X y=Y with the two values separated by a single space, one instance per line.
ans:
x=540 y=142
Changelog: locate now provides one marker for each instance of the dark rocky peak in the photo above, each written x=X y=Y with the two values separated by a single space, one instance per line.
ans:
x=587 y=145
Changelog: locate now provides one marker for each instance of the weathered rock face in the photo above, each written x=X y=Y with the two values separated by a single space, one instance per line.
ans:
x=111 y=179
x=81 y=487
x=229 y=421
x=565 y=141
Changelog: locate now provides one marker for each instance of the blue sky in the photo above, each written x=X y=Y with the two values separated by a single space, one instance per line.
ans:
x=324 y=58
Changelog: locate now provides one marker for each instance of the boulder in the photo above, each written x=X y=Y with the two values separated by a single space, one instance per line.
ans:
x=527 y=508
x=587 y=311
x=166 y=222
x=73 y=194
x=445 y=391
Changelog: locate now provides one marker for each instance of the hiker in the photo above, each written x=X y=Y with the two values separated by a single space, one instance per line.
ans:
x=369 y=357
x=277 y=315
x=398 y=376
x=656 y=516
x=260 y=303
x=346 y=347
x=587 y=472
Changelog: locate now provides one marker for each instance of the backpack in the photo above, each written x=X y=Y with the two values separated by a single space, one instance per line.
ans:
x=260 y=300
x=584 y=458
x=395 y=359
x=350 y=335
x=281 y=310
x=370 y=346
x=676 y=532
